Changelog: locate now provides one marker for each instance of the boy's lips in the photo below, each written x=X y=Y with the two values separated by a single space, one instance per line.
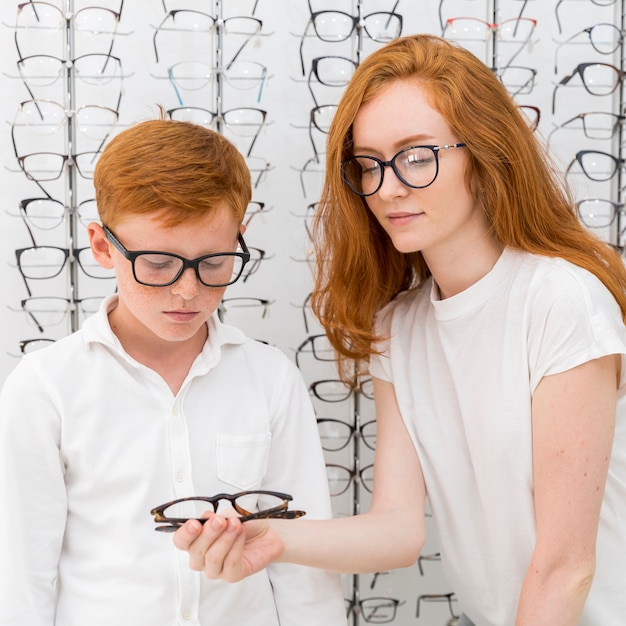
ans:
x=181 y=316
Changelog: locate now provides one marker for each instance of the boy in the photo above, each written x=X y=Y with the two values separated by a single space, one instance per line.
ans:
x=154 y=400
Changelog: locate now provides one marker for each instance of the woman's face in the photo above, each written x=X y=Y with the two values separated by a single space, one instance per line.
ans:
x=434 y=220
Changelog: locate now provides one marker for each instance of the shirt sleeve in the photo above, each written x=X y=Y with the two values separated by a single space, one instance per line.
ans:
x=304 y=596
x=575 y=319
x=32 y=492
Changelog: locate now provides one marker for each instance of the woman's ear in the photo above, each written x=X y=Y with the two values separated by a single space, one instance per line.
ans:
x=100 y=246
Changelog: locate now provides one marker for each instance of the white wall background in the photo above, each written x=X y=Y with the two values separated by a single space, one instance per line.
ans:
x=284 y=277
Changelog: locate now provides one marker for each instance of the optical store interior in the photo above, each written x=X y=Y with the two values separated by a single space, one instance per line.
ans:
x=76 y=73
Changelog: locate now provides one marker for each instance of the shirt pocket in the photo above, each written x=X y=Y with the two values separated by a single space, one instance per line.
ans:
x=242 y=459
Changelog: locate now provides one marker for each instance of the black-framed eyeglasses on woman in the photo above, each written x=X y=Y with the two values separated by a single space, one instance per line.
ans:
x=250 y=505
x=417 y=167
x=160 y=269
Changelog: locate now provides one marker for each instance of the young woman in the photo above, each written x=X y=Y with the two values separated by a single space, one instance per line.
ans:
x=493 y=324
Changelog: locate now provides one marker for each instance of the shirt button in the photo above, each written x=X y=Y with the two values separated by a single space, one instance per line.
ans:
x=186 y=614
x=180 y=477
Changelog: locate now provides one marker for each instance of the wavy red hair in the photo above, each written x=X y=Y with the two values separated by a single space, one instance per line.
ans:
x=525 y=200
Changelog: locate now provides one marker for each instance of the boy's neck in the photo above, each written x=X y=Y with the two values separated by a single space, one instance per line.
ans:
x=172 y=360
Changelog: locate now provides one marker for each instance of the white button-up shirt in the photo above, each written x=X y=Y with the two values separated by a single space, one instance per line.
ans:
x=91 y=440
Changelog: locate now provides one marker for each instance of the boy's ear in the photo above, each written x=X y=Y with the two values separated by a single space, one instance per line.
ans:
x=242 y=229
x=100 y=246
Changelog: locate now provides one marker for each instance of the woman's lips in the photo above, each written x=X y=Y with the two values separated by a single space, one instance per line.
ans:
x=402 y=219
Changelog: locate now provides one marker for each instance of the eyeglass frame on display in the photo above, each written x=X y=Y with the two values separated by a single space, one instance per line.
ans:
x=219 y=23
x=580 y=70
x=353 y=430
x=358 y=25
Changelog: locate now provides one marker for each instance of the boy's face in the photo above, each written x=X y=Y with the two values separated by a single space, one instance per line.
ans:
x=178 y=312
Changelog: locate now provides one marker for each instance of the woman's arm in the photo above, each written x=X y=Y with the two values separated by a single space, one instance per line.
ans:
x=573 y=418
x=390 y=535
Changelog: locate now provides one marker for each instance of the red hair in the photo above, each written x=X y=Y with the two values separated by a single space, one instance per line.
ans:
x=525 y=201
x=175 y=169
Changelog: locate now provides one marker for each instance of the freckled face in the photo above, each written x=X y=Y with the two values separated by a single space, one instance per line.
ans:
x=434 y=219
x=178 y=312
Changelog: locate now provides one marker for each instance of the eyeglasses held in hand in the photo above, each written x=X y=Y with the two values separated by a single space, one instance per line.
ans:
x=417 y=167
x=161 y=269
x=251 y=505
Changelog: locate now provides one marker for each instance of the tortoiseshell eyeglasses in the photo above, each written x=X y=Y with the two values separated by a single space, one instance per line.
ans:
x=250 y=505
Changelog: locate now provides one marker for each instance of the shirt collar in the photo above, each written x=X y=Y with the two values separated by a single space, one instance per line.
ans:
x=97 y=330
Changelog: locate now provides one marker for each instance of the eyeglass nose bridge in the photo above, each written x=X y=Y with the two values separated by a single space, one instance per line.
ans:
x=187 y=264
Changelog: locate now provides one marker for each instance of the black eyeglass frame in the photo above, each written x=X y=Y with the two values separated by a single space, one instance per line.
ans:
x=131 y=255
x=392 y=163
x=172 y=524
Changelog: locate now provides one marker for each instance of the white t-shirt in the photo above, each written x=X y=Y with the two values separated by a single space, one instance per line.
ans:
x=464 y=371
x=91 y=441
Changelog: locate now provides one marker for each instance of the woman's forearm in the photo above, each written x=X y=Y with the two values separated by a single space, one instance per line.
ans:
x=364 y=543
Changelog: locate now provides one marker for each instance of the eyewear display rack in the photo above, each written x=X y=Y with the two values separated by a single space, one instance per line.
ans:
x=321 y=39
x=49 y=62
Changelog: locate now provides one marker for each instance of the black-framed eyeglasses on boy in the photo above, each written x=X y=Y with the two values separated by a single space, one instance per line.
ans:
x=250 y=505
x=160 y=269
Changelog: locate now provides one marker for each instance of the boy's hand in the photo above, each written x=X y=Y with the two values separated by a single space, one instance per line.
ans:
x=224 y=548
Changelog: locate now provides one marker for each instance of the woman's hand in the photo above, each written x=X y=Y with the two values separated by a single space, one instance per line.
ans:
x=224 y=548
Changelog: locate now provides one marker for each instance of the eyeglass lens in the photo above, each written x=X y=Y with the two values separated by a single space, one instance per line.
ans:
x=416 y=167
x=243 y=504
x=162 y=269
